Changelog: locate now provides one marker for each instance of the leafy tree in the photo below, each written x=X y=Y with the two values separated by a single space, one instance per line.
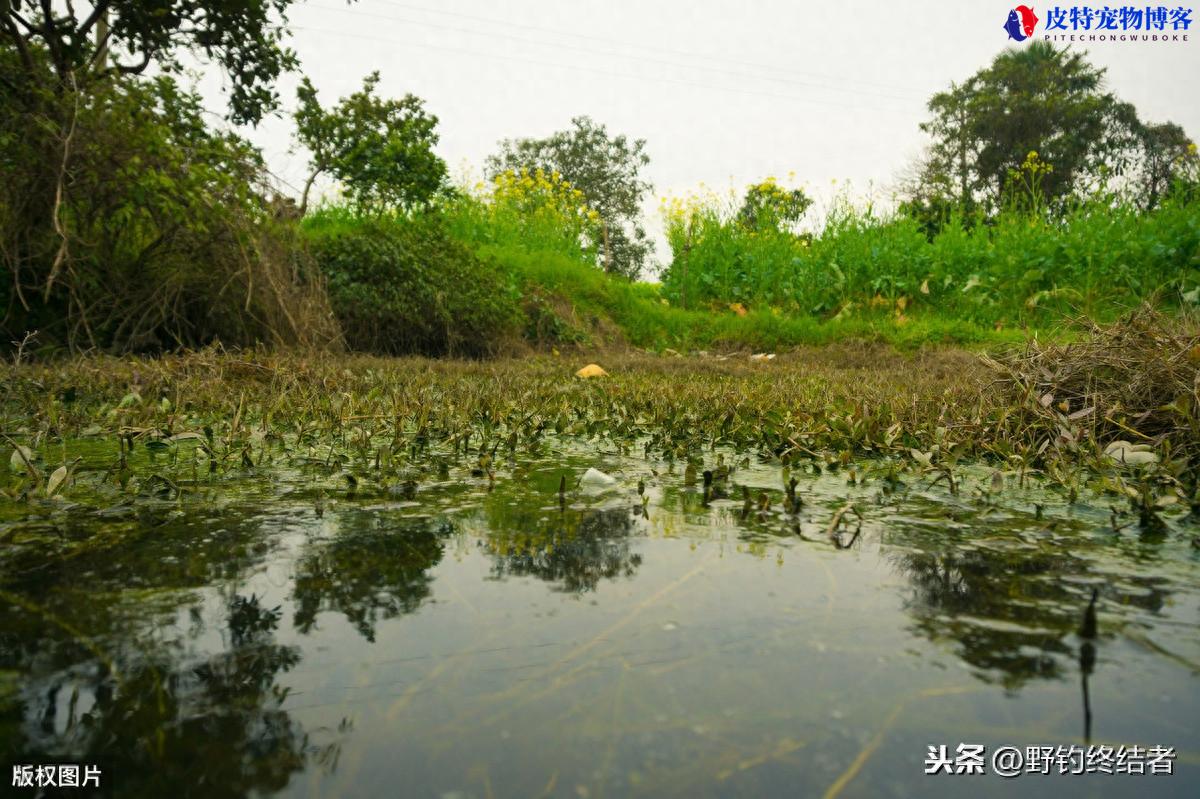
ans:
x=1038 y=98
x=159 y=232
x=381 y=149
x=63 y=47
x=1168 y=156
x=769 y=205
x=607 y=169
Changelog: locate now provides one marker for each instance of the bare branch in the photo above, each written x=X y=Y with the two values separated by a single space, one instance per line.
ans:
x=93 y=18
x=63 y=253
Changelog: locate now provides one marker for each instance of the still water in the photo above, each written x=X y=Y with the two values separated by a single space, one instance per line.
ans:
x=279 y=633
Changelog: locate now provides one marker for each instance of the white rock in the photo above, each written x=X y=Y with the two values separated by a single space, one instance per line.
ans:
x=595 y=479
x=1131 y=454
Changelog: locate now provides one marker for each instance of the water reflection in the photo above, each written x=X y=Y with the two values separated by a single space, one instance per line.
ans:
x=376 y=567
x=1012 y=601
x=185 y=680
x=1006 y=622
x=161 y=546
x=157 y=721
x=573 y=549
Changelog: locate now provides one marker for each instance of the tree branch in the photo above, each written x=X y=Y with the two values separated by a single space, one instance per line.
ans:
x=93 y=18
x=135 y=69
x=19 y=41
x=53 y=43
x=307 y=186
x=63 y=254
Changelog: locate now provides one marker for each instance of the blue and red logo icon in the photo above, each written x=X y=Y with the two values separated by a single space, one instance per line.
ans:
x=1021 y=22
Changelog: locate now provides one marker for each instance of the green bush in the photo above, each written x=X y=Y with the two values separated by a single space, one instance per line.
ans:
x=128 y=223
x=401 y=284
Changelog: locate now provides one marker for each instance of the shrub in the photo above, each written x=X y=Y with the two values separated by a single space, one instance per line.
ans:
x=127 y=223
x=401 y=284
x=527 y=211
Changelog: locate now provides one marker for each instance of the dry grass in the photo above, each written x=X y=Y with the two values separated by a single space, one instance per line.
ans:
x=1136 y=379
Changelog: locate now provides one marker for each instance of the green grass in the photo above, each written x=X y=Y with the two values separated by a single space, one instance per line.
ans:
x=1016 y=270
x=647 y=320
x=535 y=265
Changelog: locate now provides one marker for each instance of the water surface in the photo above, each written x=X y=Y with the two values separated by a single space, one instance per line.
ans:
x=279 y=632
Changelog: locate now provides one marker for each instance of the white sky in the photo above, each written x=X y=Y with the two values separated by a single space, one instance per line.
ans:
x=723 y=92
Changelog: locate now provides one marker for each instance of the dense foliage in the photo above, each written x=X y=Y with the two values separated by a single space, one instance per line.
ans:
x=78 y=45
x=527 y=211
x=400 y=284
x=1021 y=268
x=1051 y=101
x=127 y=222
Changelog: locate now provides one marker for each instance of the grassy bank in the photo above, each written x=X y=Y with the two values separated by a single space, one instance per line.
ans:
x=589 y=306
x=518 y=263
x=1028 y=411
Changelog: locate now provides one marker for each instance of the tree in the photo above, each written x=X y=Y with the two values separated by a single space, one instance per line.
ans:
x=1036 y=99
x=1167 y=156
x=64 y=47
x=607 y=169
x=381 y=149
x=159 y=230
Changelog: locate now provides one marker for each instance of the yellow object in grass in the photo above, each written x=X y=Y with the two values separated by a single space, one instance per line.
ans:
x=591 y=370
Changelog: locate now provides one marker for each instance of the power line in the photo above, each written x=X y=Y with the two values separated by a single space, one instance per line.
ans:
x=578 y=49
x=774 y=68
x=606 y=73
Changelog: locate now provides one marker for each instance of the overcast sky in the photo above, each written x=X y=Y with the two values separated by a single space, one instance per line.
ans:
x=723 y=92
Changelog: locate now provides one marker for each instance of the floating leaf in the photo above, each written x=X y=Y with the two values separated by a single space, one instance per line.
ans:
x=57 y=481
x=22 y=459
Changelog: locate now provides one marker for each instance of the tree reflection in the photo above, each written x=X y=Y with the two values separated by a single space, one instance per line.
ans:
x=375 y=568
x=1011 y=611
x=159 y=723
x=1004 y=618
x=573 y=549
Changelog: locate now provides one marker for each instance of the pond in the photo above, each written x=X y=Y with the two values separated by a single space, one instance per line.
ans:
x=283 y=630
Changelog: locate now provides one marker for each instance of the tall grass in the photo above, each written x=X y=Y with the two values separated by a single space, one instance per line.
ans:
x=1019 y=268
x=527 y=255
x=533 y=228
